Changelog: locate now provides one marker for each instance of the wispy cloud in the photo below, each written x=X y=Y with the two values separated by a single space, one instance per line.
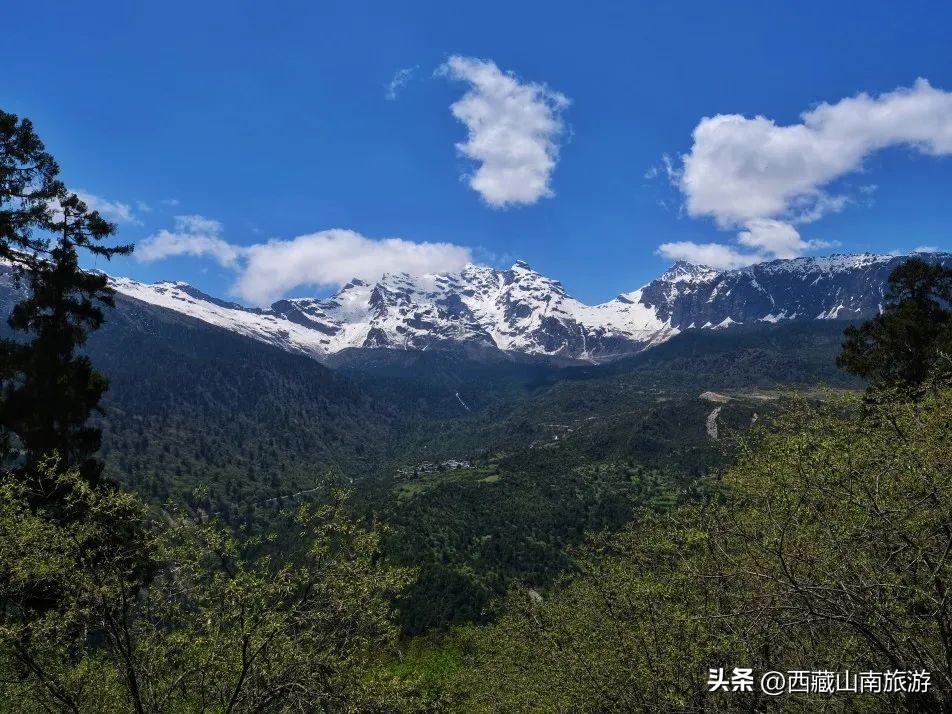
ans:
x=514 y=131
x=115 y=211
x=192 y=235
x=399 y=80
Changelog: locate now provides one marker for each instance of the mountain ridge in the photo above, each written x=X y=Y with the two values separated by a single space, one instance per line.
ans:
x=520 y=311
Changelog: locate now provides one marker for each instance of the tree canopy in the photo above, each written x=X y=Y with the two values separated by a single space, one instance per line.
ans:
x=827 y=550
x=911 y=339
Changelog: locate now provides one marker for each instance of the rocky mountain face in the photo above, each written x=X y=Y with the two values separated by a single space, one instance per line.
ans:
x=520 y=311
x=824 y=288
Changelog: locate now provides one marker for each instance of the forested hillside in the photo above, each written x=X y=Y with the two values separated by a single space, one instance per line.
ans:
x=826 y=545
x=191 y=405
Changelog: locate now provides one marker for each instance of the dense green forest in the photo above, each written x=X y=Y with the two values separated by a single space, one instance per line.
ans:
x=231 y=528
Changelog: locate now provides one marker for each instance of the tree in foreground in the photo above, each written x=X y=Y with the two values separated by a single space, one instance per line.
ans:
x=911 y=339
x=219 y=627
x=49 y=401
x=29 y=188
x=47 y=390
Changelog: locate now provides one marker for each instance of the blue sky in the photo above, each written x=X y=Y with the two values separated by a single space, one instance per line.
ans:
x=271 y=121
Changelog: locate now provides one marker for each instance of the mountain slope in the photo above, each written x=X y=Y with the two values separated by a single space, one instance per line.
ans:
x=189 y=403
x=606 y=405
x=522 y=312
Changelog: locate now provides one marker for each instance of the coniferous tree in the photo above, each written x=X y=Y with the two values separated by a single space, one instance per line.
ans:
x=28 y=187
x=912 y=337
x=49 y=391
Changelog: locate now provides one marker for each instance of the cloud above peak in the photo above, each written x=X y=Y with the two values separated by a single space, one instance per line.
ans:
x=333 y=257
x=268 y=271
x=751 y=174
x=760 y=239
x=713 y=255
x=776 y=239
x=514 y=131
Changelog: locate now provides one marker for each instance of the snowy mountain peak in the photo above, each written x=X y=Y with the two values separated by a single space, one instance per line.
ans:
x=520 y=310
x=682 y=271
x=521 y=267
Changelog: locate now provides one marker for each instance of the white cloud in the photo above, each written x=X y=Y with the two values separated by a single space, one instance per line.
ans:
x=743 y=172
x=741 y=168
x=267 y=271
x=776 y=239
x=713 y=255
x=114 y=211
x=399 y=80
x=514 y=131
x=333 y=257
x=192 y=235
x=761 y=239
x=926 y=249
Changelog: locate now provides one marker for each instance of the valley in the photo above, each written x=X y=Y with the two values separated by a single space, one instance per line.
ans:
x=478 y=498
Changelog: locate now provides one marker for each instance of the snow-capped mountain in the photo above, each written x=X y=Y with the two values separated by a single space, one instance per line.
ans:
x=514 y=310
x=518 y=310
